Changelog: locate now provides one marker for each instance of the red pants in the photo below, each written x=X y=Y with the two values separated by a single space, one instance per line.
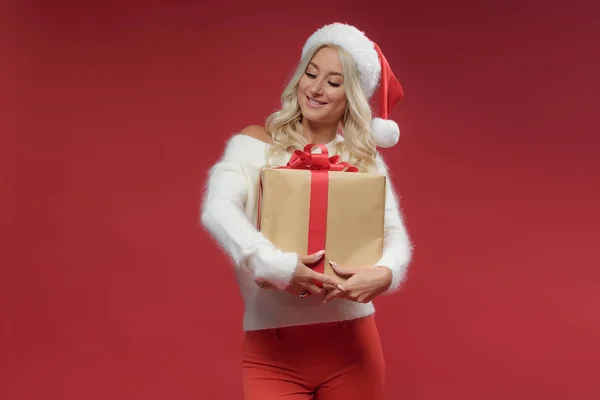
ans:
x=333 y=361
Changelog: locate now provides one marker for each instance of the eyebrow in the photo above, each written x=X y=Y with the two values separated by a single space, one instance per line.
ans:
x=331 y=73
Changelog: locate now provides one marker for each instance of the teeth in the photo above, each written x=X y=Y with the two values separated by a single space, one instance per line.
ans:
x=316 y=103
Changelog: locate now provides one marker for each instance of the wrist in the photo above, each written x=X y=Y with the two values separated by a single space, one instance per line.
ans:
x=385 y=276
x=274 y=266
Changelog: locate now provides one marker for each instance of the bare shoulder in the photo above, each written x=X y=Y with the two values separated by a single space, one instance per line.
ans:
x=257 y=132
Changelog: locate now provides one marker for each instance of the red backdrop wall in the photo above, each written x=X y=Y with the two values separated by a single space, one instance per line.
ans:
x=114 y=111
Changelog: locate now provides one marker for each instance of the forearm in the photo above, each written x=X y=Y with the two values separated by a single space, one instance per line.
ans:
x=223 y=217
x=397 y=252
x=397 y=247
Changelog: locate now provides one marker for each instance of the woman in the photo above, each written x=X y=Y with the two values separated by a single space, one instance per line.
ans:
x=302 y=342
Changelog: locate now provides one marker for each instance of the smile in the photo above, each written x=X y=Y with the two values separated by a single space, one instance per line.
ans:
x=315 y=102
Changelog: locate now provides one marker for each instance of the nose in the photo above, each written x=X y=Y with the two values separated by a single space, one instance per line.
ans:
x=316 y=88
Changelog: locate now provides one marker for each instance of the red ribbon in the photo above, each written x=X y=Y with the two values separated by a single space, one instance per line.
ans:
x=319 y=164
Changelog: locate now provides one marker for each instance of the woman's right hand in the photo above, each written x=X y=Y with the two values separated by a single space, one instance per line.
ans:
x=303 y=282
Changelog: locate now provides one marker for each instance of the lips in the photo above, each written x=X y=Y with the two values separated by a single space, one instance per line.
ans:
x=315 y=103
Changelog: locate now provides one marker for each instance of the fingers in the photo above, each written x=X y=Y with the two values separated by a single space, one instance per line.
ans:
x=314 y=289
x=264 y=284
x=334 y=294
x=328 y=280
x=311 y=288
x=342 y=270
x=312 y=258
x=294 y=291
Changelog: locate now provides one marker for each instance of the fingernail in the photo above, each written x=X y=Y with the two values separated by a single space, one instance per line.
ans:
x=343 y=289
x=332 y=263
x=321 y=252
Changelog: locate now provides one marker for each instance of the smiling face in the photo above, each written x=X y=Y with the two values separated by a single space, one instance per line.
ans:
x=321 y=93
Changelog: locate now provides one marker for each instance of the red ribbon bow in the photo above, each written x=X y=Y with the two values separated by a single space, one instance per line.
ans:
x=306 y=159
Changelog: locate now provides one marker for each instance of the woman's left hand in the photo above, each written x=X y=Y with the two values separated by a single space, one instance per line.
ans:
x=363 y=284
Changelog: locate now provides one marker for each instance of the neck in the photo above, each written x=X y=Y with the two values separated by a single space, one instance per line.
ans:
x=319 y=133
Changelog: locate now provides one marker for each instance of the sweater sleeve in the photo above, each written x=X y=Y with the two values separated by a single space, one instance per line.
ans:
x=223 y=217
x=397 y=248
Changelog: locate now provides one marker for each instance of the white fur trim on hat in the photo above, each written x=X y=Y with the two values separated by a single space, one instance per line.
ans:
x=361 y=49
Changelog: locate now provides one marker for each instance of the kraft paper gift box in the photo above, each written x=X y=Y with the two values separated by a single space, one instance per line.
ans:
x=316 y=202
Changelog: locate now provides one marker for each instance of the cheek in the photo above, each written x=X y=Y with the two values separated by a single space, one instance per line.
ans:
x=338 y=95
x=303 y=84
x=339 y=98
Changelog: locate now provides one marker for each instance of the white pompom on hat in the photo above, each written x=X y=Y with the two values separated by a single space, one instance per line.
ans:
x=374 y=72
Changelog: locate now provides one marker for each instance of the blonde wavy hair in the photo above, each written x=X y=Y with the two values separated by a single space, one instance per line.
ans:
x=285 y=127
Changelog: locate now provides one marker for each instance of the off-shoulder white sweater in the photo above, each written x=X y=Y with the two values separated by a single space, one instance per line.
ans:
x=229 y=215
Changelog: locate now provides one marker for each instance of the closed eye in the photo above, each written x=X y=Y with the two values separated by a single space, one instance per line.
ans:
x=313 y=76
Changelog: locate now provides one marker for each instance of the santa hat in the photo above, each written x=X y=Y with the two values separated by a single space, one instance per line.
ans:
x=374 y=72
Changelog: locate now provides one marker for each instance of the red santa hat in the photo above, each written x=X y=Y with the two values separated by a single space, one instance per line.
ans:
x=374 y=72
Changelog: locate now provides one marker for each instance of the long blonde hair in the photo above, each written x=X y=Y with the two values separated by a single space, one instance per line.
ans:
x=358 y=146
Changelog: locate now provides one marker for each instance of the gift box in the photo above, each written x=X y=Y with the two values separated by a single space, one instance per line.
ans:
x=316 y=202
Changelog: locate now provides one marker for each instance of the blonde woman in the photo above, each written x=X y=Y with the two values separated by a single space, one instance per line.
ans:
x=300 y=341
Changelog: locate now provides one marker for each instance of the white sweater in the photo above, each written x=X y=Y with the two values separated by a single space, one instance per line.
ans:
x=229 y=214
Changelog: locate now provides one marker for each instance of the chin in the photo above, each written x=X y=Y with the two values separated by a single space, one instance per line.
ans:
x=320 y=119
x=310 y=116
x=316 y=119
x=316 y=116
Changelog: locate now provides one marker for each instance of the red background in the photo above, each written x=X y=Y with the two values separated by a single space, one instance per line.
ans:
x=112 y=113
